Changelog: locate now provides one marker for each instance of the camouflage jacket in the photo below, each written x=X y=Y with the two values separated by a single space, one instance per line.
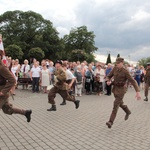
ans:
x=7 y=80
x=121 y=76
x=147 y=76
x=60 y=79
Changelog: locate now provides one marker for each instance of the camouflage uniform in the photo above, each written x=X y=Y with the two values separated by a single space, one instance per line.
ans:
x=120 y=76
x=61 y=87
x=7 y=81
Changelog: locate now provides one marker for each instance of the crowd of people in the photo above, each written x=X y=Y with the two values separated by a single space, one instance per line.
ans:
x=86 y=78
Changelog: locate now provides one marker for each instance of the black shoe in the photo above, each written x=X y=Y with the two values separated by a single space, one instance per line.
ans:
x=146 y=99
x=77 y=102
x=28 y=115
x=106 y=94
x=63 y=103
x=109 y=124
x=127 y=115
x=53 y=108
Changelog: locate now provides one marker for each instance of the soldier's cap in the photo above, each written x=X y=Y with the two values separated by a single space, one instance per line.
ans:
x=119 y=59
x=148 y=64
x=58 y=62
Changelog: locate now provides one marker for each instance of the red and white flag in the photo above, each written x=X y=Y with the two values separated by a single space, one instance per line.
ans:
x=2 y=48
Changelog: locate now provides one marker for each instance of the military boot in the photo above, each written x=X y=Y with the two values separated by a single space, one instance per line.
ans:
x=128 y=112
x=127 y=115
x=63 y=103
x=77 y=102
x=28 y=115
x=146 y=98
x=53 y=108
x=109 y=124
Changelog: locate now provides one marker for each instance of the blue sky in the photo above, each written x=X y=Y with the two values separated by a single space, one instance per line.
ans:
x=120 y=26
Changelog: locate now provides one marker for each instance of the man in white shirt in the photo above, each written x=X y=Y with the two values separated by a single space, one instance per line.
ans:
x=35 y=77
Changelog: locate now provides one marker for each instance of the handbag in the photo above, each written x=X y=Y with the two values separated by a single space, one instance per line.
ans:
x=79 y=86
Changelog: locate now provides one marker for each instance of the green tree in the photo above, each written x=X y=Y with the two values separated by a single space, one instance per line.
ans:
x=118 y=55
x=79 y=38
x=36 y=53
x=108 y=59
x=90 y=58
x=78 y=55
x=29 y=30
x=14 y=51
x=144 y=61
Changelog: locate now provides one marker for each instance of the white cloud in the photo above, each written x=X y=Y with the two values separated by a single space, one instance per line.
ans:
x=62 y=31
x=120 y=26
x=140 y=15
x=103 y=58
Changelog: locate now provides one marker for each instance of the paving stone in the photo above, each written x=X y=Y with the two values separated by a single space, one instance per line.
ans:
x=75 y=129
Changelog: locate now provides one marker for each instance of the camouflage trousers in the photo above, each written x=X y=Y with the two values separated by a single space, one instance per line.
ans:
x=7 y=107
x=64 y=94
x=118 y=103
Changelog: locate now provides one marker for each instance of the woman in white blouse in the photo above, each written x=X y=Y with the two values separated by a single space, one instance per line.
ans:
x=45 y=77
x=15 y=68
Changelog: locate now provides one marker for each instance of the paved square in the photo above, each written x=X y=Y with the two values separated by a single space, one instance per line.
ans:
x=75 y=129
